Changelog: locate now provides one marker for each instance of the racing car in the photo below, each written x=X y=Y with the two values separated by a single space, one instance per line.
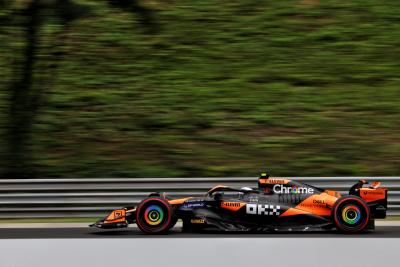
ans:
x=277 y=204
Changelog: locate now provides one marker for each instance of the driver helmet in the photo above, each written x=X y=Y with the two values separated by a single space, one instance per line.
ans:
x=264 y=175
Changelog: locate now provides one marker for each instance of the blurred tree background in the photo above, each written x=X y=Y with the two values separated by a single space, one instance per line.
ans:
x=161 y=88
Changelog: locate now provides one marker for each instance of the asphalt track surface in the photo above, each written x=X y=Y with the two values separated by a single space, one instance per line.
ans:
x=83 y=246
x=133 y=232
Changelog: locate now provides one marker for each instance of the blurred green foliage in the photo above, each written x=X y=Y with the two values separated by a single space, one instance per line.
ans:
x=211 y=88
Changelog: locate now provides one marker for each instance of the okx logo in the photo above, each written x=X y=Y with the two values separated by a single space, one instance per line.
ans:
x=258 y=209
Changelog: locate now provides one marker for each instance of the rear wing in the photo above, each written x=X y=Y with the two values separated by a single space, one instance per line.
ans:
x=374 y=195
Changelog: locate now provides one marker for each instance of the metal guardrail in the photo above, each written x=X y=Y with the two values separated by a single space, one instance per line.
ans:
x=36 y=198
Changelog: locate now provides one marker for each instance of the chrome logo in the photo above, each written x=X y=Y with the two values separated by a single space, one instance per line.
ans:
x=153 y=215
x=351 y=214
x=281 y=189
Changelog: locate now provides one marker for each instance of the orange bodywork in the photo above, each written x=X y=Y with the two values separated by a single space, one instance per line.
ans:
x=315 y=204
x=373 y=194
x=178 y=201
x=333 y=193
x=375 y=184
x=116 y=216
x=294 y=211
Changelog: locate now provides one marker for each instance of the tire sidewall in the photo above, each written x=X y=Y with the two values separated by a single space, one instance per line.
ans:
x=336 y=212
x=146 y=229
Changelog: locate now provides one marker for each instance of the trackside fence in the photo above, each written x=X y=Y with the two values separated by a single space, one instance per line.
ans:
x=38 y=198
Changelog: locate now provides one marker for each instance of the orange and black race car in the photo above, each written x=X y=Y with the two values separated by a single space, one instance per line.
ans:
x=276 y=205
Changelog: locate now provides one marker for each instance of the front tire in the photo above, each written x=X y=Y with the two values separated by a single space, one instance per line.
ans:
x=351 y=214
x=154 y=216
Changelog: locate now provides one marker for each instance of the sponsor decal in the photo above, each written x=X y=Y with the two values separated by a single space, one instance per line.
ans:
x=273 y=181
x=307 y=205
x=253 y=199
x=230 y=204
x=193 y=204
x=263 y=209
x=280 y=189
x=276 y=181
x=319 y=202
x=197 y=221
x=378 y=193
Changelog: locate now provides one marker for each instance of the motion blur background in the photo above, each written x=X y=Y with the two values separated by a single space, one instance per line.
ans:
x=181 y=88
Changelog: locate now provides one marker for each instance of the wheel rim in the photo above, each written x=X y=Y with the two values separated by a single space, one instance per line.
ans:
x=153 y=215
x=351 y=214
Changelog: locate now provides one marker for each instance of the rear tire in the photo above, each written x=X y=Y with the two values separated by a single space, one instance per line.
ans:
x=154 y=216
x=351 y=214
